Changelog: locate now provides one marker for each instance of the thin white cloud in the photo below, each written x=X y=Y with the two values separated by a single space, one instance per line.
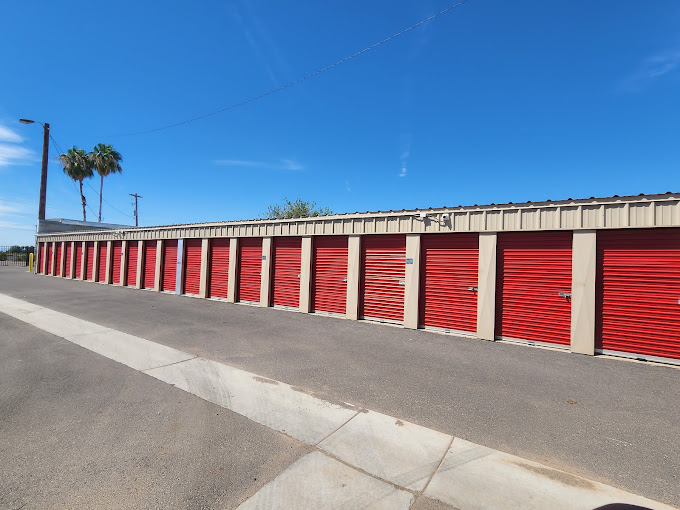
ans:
x=348 y=187
x=7 y=135
x=15 y=155
x=283 y=164
x=403 y=171
x=652 y=69
x=405 y=153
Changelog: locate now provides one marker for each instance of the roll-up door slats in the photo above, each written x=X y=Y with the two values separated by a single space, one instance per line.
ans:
x=169 y=270
x=383 y=274
x=218 y=279
x=286 y=262
x=116 y=261
x=329 y=274
x=132 y=257
x=250 y=267
x=149 y=280
x=192 y=266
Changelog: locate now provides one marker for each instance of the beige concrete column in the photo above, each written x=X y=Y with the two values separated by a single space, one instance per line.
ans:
x=486 y=287
x=583 y=274
x=205 y=261
x=109 y=261
x=266 y=273
x=95 y=262
x=233 y=265
x=159 y=265
x=123 y=263
x=306 y=275
x=412 y=284
x=353 y=274
x=140 y=263
x=83 y=261
x=62 y=260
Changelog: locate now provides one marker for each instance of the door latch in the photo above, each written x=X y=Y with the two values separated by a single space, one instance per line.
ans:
x=344 y=280
x=565 y=295
x=402 y=282
x=473 y=289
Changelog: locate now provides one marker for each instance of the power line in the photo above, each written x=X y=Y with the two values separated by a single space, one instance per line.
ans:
x=297 y=81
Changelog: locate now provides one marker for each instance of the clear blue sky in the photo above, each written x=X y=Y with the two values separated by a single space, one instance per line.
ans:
x=495 y=101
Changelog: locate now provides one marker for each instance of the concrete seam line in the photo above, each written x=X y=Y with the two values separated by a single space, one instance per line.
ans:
x=20 y=309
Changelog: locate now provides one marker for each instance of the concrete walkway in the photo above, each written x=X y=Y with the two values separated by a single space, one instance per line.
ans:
x=362 y=458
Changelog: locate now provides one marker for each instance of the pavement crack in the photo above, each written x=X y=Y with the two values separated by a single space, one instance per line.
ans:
x=168 y=365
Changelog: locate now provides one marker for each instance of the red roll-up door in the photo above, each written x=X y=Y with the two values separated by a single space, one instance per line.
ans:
x=286 y=265
x=329 y=274
x=67 y=262
x=132 y=257
x=101 y=263
x=116 y=262
x=169 y=270
x=192 y=266
x=383 y=277
x=638 y=292
x=448 y=280
x=57 y=260
x=49 y=258
x=41 y=257
x=79 y=259
x=250 y=269
x=149 y=276
x=533 y=268
x=218 y=281
x=89 y=268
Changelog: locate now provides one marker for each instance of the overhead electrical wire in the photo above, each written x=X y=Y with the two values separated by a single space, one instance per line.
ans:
x=297 y=81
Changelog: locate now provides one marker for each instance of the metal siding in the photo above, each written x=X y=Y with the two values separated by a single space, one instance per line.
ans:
x=90 y=261
x=638 y=292
x=57 y=260
x=286 y=267
x=132 y=257
x=79 y=259
x=533 y=268
x=149 y=277
x=218 y=280
x=115 y=265
x=329 y=274
x=383 y=277
x=67 y=261
x=49 y=258
x=449 y=265
x=169 y=269
x=250 y=269
x=101 y=273
x=192 y=266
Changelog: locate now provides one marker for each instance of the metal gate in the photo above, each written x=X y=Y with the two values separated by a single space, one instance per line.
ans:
x=329 y=274
x=383 y=277
x=638 y=292
x=89 y=268
x=192 y=266
x=169 y=269
x=57 y=260
x=250 y=269
x=116 y=262
x=448 y=281
x=79 y=259
x=286 y=265
x=533 y=287
x=67 y=262
x=149 y=276
x=218 y=281
x=132 y=257
x=101 y=270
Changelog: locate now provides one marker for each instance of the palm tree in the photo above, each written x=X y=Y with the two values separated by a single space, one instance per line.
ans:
x=104 y=159
x=78 y=167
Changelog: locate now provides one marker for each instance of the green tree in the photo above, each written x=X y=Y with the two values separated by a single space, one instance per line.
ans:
x=297 y=209
x=105 y=160
x=77 y=166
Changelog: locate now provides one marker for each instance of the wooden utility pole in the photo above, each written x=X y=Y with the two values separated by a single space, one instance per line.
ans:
x=135 y=211
x=43 y=172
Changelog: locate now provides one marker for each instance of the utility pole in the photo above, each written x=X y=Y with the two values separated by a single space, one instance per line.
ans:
x=135 y=211
x=43 y=172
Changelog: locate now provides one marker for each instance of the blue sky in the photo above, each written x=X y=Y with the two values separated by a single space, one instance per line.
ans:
x=495 y=101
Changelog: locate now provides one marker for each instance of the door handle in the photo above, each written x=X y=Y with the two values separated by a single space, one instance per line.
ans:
x=402 y=282
x=344 y=280
x=565 y=295
x=473 y=289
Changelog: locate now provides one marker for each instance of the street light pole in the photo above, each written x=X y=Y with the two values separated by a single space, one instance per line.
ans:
x=43 y=171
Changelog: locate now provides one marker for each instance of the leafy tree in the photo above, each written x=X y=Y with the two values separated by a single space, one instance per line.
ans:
x=297 y=209
x=105 y=160
x=77 y=166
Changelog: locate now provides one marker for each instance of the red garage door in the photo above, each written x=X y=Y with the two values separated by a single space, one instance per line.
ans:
x=116 y=262
x=286 y=265
x=250 y=269
x=448 y=281
x=58 y=261
x=79 y=259
x=169 y=270
x=383 y=274
x=89 y=268
x=149 y=276
x=192 y=266
x=67 y=262
x=638 y=292
x=329 y=274
x=49 y=258
x=101 y=263
x=41 y=257
x=132 y=257
x=219 y=268
x=533 y=269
